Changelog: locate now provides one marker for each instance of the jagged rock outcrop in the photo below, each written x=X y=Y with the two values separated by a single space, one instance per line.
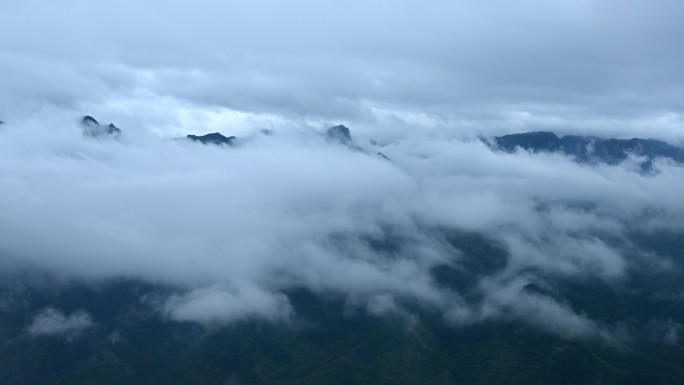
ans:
x=92 y=128
x=342 y=135
x=339 y=134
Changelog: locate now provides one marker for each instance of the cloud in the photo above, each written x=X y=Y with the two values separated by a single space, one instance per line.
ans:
x=219 y=305
x=664 y=331
x=600 y=65
x=384 y=305
x=542 y=311
x=52 y=322
x=233 y=229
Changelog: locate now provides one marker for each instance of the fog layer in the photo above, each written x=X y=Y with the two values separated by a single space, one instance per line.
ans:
x=232 y=229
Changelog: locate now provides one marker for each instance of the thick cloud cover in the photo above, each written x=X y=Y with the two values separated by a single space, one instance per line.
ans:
x=591 y=65
x=233 y=228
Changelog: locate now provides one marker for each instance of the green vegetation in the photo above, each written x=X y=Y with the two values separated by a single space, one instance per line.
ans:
x=131 y=343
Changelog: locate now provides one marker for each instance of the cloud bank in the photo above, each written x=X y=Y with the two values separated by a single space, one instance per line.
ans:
x=232 y=229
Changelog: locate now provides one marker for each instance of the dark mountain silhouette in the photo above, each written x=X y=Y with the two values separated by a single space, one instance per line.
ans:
x=589 y=149
x=92 y=128
x=342 y=135
x=213 y=138
x=89 y=121
x=339 y=134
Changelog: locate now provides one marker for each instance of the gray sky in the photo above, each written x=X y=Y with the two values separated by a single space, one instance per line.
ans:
x=387 y=67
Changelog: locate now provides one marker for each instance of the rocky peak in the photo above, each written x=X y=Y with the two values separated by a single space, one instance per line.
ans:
x=339 y=134
x=89 y=121
x=93 y=129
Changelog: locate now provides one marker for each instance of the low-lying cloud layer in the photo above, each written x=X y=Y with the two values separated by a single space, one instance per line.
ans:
x=52 y=322
x=234 y=228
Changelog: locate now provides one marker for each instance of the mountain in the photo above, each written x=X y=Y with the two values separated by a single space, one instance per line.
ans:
x=342 y=135
x=589 y=149
x=92 y=128
x=339 y=134
x=213 y=138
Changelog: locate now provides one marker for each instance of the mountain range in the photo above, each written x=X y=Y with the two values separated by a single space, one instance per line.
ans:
x=591 y=149
x=582 y=149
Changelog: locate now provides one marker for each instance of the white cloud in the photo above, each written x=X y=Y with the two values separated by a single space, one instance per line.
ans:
x=219 y=304
x=233 y=229
x=52 y=322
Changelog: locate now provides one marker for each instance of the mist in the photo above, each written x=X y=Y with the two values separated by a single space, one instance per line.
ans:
x=233 y=228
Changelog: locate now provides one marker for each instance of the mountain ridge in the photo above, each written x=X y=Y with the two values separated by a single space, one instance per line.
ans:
x=590 y=149
x=581 y=148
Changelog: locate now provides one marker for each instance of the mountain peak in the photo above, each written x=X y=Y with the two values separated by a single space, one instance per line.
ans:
x=213 y=138
x=89 y=121
x=339 y=134
x=93 y=129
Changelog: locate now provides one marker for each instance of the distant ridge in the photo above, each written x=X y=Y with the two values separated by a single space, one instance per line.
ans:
x=213 y=138
x=589 y=149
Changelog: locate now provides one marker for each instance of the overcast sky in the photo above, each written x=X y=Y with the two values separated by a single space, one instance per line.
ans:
x=389 y=67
